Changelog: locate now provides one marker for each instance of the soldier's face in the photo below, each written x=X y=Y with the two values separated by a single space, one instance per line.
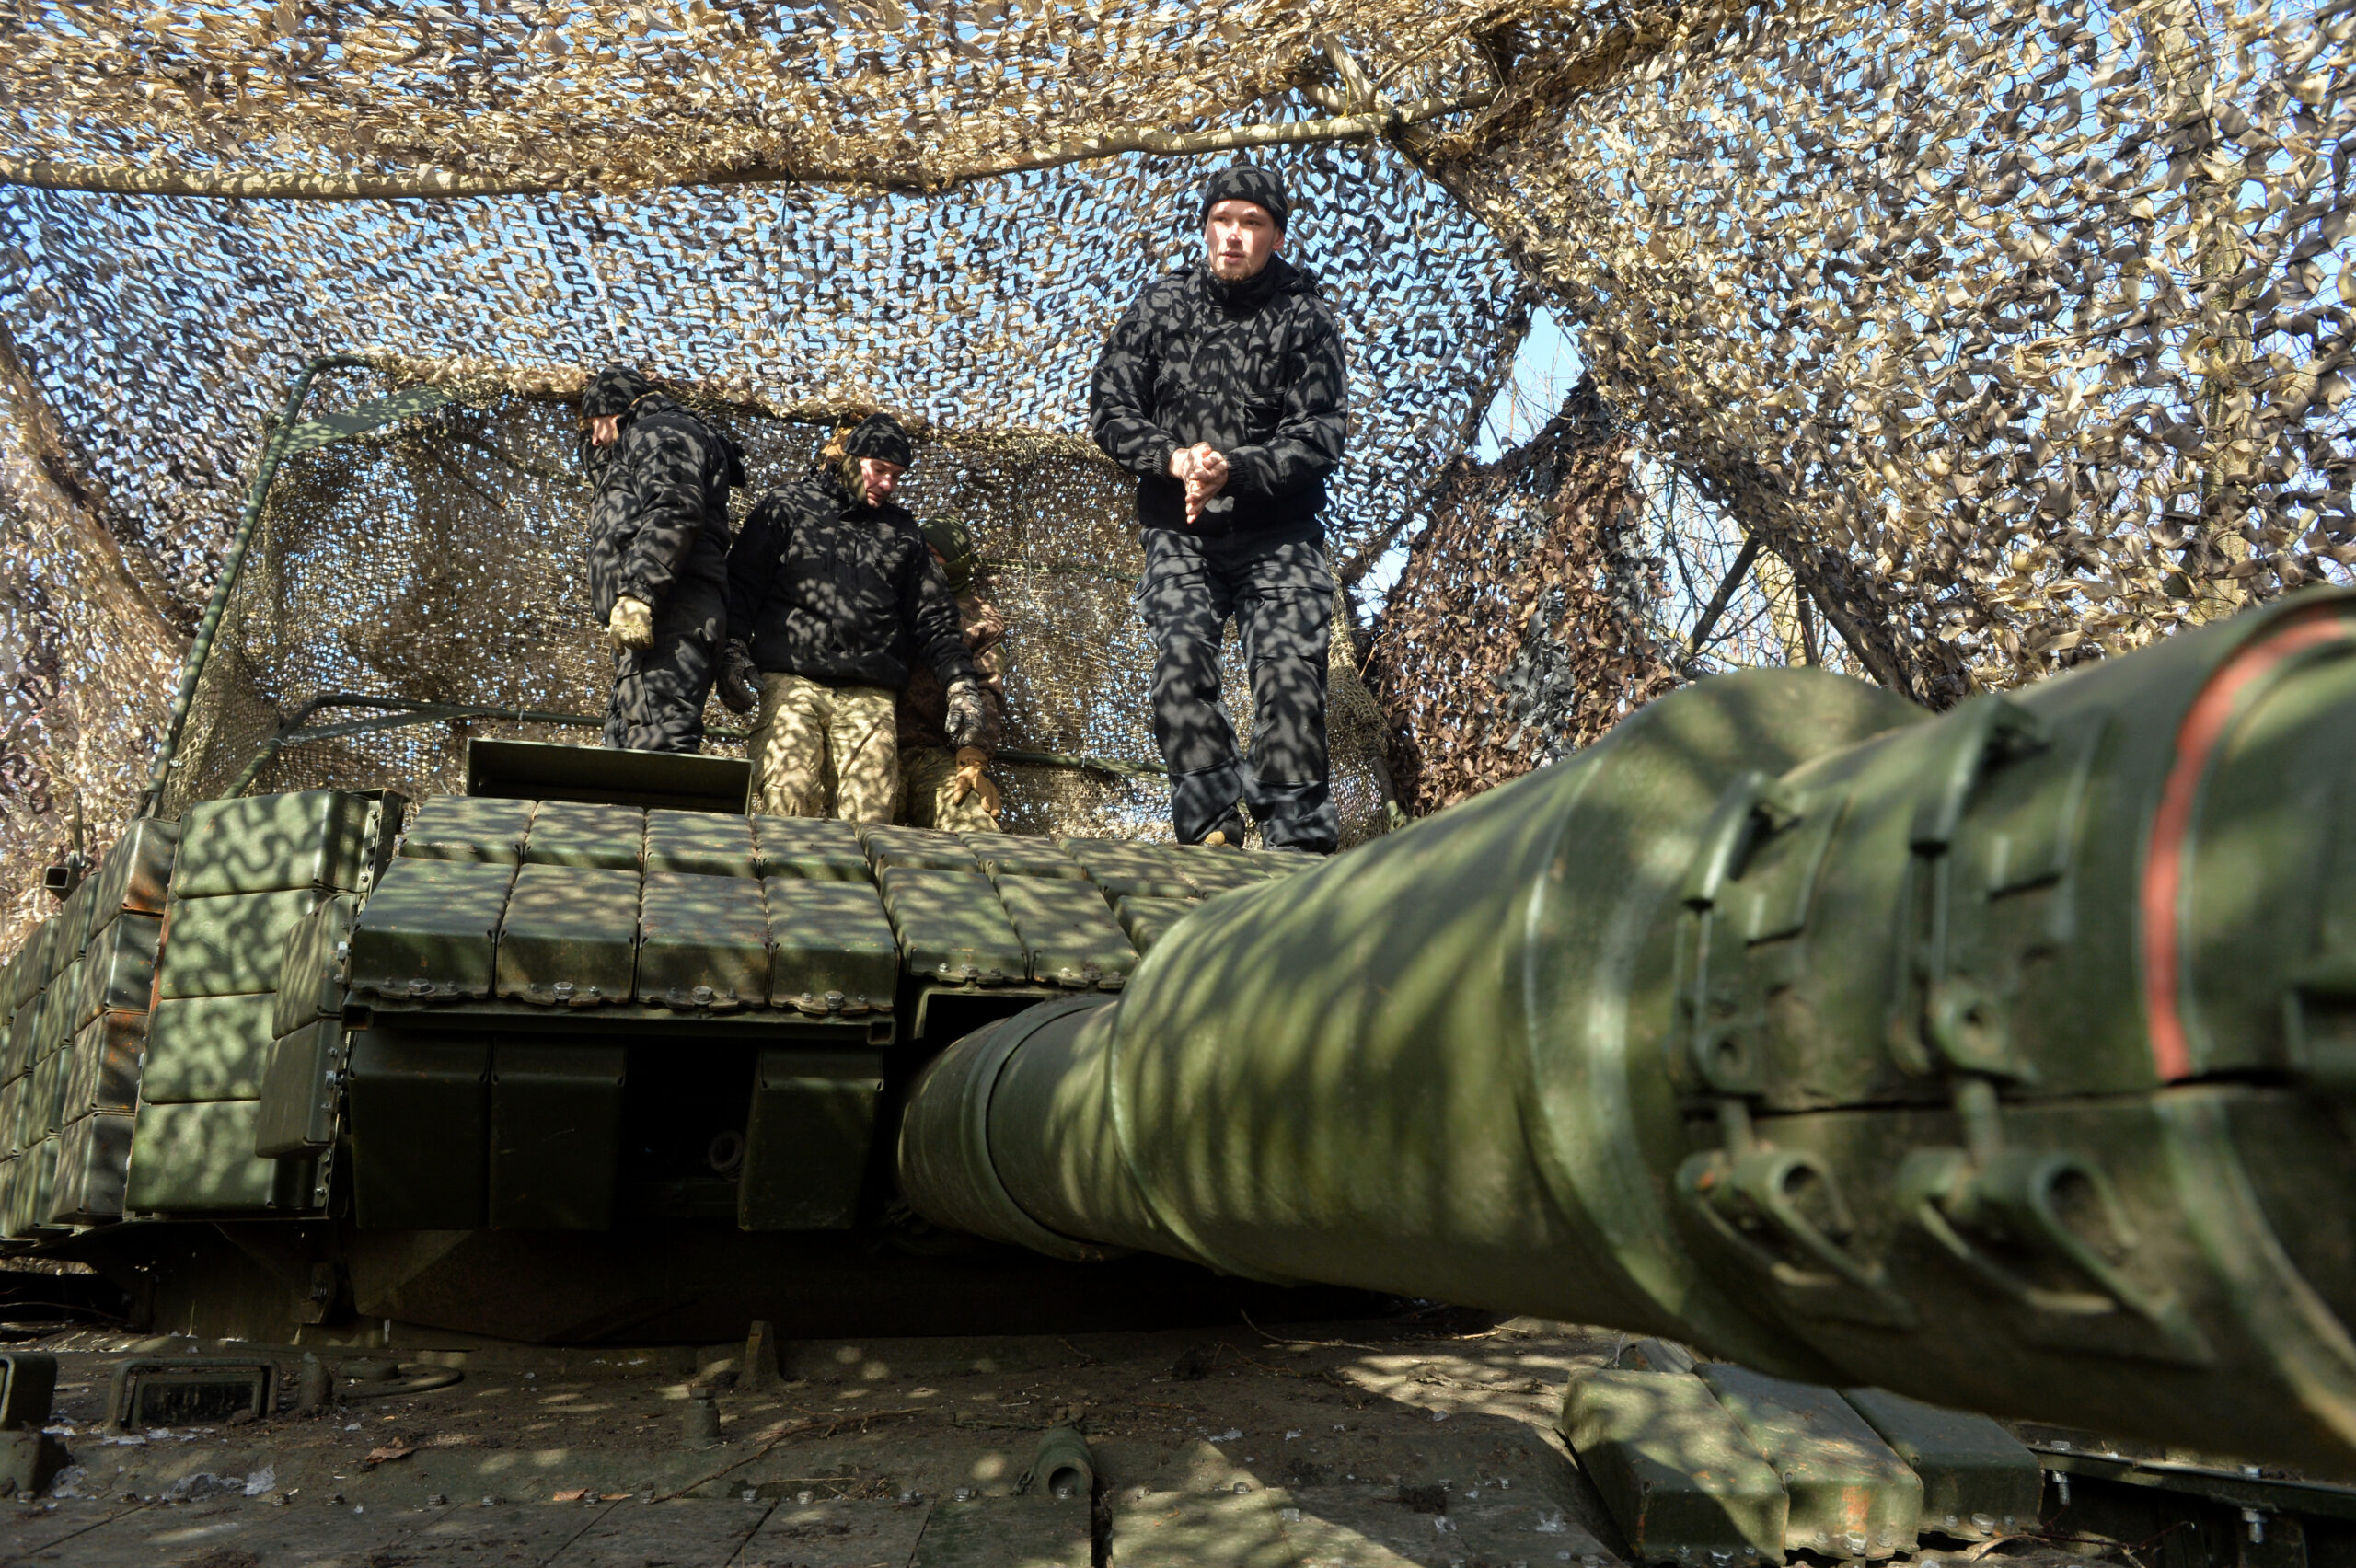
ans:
x=605 y=430
x=880 y=478
x=1240 y=237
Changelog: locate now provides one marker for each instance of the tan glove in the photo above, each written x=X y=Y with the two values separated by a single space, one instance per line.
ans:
x=632 y=623
x=969 y=779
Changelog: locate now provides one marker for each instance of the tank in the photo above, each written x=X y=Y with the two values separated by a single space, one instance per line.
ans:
x=1997 y=1058
x=2001 y=1058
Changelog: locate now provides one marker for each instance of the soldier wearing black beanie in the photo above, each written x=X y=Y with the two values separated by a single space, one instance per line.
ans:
x=1224 y=390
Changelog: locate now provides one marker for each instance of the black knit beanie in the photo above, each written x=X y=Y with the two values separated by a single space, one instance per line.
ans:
x=1264 y=187
x=880 y=436
x=612 y=390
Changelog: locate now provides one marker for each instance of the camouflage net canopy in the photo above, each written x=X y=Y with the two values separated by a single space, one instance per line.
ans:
x=1996 y=335
x=438 y=562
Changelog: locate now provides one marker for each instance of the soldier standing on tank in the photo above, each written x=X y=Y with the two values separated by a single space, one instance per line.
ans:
x=831 y=598
x=658 y=555
x=1224 y=390
x=943 y=790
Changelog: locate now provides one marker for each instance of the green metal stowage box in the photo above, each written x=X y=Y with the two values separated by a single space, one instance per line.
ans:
x=1069 y=936
x=229 y=945
x=556 y=1120
x=310 y=977
x=197 y=1158
x=565 y=832
x=44 y=1112
x=54 y=1029
x=701 y=843
x=201 y=1048
x=12 y=1109
x=22 y=1127
x=136 y=874
x=416 y=1110
x=93 y=1166
x=468 y=828
x=298 y=1090
x=1850 y=1495
x=429 y=933
x=806 y=1142
x=1006 y=855
x=325 y=840
x=119 y=967
x=55 y=1025
x=74 y=922
x=952 y=927
x=810 y=848
x=1121 y=869
x=1680 y=1477
x=104 y=1075
x=703 y=941
x=1148 y=920
x=31 y=971
x=831 y=947
x=1214 y=871
x=33 y=1185
x=570 y=937
x=1978 y=1479
x=919 y=848
x=21 y=1031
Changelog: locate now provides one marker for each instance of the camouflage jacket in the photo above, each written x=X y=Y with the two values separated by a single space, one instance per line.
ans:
x=1255 y=369
x=658 y=517
x=924 y=706
x=841 y=592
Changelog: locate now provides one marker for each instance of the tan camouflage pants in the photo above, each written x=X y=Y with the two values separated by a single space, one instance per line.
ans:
x=929 y=774
x=816 y=742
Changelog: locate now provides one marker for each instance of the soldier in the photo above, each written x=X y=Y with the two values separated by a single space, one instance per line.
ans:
x=942 y=790
x=658 y=555
x=831 y=598
x=1223 y=390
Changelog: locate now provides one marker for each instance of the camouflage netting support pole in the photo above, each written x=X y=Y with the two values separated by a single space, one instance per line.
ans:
x=200 y=649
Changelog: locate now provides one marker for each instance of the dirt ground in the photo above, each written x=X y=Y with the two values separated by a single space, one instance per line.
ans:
x=1424 y=1441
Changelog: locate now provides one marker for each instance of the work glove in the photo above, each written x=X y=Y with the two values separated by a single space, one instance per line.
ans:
x=969 y=779
x=739 y=685
x=632 y=623
x=967 y=715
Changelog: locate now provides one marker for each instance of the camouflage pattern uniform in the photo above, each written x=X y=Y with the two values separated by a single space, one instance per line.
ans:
x=1255 y=369
x=822 y=750
x=658 y=533
x=928 y=768
x=837 y=601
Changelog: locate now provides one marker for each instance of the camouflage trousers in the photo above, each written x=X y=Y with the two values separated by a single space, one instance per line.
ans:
x=658 y=696
x=1281 y=599
x=825 y=751
x=928 y=775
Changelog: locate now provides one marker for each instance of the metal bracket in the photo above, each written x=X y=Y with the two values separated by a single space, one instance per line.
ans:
x=2019 y=1220
x=1782 y=1212
x=1939 y=1019
x=1724 y=1050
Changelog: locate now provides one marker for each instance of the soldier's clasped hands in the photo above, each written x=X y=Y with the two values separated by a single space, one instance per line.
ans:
x=1203 y=470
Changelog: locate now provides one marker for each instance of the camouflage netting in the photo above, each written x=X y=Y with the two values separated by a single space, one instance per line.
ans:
x=1523 y=631
x=438 y=562
x=2013 y=332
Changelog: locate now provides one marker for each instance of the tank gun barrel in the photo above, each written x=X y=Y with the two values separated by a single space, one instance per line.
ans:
x=2002 y=1058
